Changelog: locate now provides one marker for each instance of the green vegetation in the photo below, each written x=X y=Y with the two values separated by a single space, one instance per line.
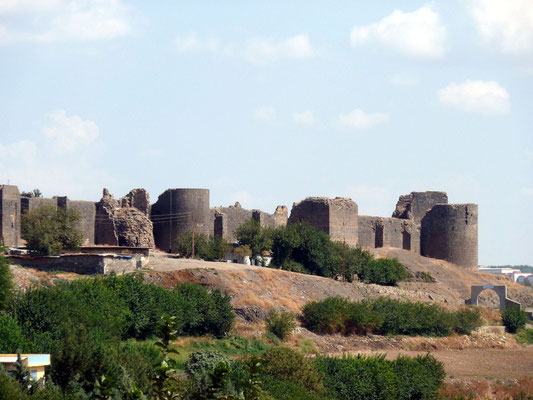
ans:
x=253 y=235
x=6 y=280
x=280 y=323
x=386 y=316
x=514 y=319
x=525 y=336
x=364 y=377
x=48 y=230
x=207 y=248
x=301 y=248
x=383 y=271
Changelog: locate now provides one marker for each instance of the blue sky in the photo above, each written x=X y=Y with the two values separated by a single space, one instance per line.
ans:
x=267 y=103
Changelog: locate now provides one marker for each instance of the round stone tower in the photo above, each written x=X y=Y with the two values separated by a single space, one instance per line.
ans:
x=177 y=211
x=449 y=232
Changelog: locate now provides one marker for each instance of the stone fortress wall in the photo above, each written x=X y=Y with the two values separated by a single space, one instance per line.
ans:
x=422 y=222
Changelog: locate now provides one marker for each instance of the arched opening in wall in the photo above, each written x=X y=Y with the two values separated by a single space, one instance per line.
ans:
x=379 y=237
x=406 y=241
x=489 y=298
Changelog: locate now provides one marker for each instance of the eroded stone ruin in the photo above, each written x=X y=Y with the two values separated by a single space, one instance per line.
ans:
x=422 y=222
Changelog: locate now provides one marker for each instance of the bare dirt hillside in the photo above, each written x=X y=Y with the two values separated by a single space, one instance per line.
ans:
x=256 y=289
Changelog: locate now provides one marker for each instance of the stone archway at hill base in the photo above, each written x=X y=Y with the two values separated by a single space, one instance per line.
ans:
x=501 y=291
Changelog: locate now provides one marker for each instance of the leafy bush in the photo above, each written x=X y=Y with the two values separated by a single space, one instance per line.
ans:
x=514 y=319
x=48 y=230
x=467 y=320
x=285 y=390
x=201 y=365
x=289 y=365
x=253 y=235
x=12 y=338
x=326 y=316
x=6 y=280
x=525 y=336
x=385 y=316
x=280 y=323
x=374 y=377
x=383 y=271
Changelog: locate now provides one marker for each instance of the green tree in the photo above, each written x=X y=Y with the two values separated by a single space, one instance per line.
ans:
x=514 y=319
x=258 y=238
x=48 y=230
x=6 y=280
x=207 y=248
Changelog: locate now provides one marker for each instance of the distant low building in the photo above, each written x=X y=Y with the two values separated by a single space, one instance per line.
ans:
x=36 y=363
x=514 y=274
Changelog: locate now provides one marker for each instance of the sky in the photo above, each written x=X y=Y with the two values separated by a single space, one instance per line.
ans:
x=267 y=103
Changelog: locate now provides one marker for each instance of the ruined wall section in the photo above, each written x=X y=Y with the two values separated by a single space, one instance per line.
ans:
x=450 y=232
x=174 y=212
x=120 y=222
x=87 y=212
x=337 y=217
x=10 y=214
x=314 y=211
x=228 y=219
x=377 y=232
x=416 y=204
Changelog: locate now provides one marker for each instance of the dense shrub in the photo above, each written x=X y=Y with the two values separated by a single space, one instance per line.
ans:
x=467 y=320
x=201 y=365
x=386 y=316
x=285 y=390
x=48 y=230
x=326 y=316
x=290 y=365
x=383 y=271
x=6 y=280
x=375 y=377
x=253 y=235
x=12 y=336
x=280 y=323
x=514 y=319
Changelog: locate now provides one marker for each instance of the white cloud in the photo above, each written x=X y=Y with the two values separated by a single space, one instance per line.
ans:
x=68 y=134
x=418 y=33
x=486 y=97
x=360 y=120
x=256 y=51
x=506 y=23
x=403 y=80
x=62 y=160
x=49 y=21
x=265 y=113
x=267 y=51
x=304 y=118
x=529 y=155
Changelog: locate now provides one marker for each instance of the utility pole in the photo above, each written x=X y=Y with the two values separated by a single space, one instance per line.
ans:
x=170 y=222
x=192 y=230
x=343 y=252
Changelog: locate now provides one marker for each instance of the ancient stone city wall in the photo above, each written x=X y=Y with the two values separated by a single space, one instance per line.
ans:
x=450 y=232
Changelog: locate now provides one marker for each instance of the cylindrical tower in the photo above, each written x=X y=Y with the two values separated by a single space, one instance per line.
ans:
x=449 y=232
x=177 y=211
